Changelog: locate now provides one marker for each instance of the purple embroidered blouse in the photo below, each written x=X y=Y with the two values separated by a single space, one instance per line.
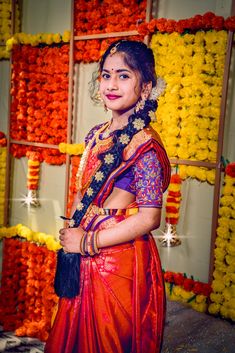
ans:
x=144 y=180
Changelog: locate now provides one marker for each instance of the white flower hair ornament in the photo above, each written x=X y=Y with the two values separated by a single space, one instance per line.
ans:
x=158 y=90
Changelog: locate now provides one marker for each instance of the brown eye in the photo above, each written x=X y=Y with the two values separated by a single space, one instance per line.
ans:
x=105 y=76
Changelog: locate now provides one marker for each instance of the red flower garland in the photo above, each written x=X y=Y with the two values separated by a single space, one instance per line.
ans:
x=107 y=16
x=39 y=92
x=92 y=50
x=230 y=170
x=188 y=284
x=27 y=298
x=204 y=22
x=3 y=140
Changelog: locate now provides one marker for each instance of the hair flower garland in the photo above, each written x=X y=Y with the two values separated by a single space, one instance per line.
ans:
x=223 y=296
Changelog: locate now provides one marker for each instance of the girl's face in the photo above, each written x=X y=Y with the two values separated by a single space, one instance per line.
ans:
x=119 y=85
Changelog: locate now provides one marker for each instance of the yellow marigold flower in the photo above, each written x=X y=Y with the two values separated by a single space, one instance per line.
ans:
x=214 y=308
x=225 y=211
x=219 y=254
x=223 y=232
x=230 y=260
x=232 y=225
x=210 y=176
x=66 y=36
x=218 y=286
x=218 y=274
x=201 y=298
x=231 y=249
x=182 y=152
x=220 y=243
x=224 y=222
x=72 y=149
x=56 y=38
x=183 y=172
x=202 y=155
x=201 y=174
x=201 y=307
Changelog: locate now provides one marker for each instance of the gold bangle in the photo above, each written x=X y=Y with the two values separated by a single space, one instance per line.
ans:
x=90 y=249
x=94 y=242
x=82 y=245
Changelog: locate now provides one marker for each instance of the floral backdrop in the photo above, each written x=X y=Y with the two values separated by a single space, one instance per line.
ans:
x=188 y=113
x=195 y=50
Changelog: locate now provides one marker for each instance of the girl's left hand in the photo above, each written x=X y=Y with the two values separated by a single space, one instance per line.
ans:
x=70 y=239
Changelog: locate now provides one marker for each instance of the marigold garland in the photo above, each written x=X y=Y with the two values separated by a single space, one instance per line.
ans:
x=207 y=21
x=27 y=294
x=223 y=285
x=40 y=99
x=36 y=39
x=170 y=236
x=72 y=149
x=107 y=16
x=187 y=290
x=24 y=232
x=188 y=113
x=5 y=25
x=3 y=159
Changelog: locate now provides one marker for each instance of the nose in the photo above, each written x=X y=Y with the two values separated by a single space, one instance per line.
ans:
x=112 y=84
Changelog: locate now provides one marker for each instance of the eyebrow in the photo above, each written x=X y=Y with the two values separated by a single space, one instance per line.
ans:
x=118 y=70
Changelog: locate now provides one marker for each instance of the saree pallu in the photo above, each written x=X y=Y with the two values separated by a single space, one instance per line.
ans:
x=121 y=304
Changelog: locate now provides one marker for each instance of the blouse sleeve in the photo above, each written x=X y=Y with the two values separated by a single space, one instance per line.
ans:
x=148 y=180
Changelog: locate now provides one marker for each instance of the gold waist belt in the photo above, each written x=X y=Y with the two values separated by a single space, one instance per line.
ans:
x=113 y=211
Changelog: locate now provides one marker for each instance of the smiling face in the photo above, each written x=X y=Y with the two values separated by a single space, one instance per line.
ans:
x=119 y=85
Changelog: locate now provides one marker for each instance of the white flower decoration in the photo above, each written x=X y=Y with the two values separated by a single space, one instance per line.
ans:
x=99 y=176
x=152 y=115
x=89 y=191
x=109 y=158
x=124 y=139
x=71 y=223
x=138 y=124
x=80 y=206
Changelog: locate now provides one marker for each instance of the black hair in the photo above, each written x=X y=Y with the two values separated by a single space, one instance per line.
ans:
x=136 y=55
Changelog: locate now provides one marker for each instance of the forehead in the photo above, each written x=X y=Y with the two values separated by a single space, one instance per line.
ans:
x=115 y=62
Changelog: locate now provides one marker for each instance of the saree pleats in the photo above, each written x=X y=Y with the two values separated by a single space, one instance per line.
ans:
x=120 y=308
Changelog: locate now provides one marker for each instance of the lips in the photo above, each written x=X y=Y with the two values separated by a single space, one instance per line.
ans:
x=112 y=97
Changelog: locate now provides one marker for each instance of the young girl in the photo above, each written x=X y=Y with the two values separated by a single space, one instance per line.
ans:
x=123 y=173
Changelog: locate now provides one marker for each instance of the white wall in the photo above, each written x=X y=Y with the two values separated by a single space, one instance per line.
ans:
x=192 y=257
